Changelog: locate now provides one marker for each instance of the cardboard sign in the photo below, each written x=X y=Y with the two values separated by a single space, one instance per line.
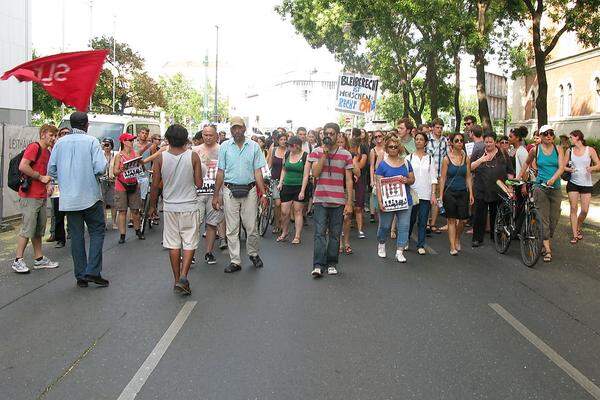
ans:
x=133 y=168
x=208 y=181
x=393 y=194
x=356 y=94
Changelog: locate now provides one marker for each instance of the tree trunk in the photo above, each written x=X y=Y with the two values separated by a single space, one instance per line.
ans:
x=484 y=111
x=457 y=113
x=406 y=101
x=541 y=103
x=431 y=82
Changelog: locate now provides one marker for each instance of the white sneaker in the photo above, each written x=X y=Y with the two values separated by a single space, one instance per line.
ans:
x=381 y=250
x=421 y=251
x=332 y=270
x=44 y=263
x=316 y=272
x=20 y=267
x=406 y=247
x=361 y=235
x=400 y=256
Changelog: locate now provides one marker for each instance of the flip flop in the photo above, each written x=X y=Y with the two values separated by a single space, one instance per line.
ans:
x=574 y=240
x=282 y=238
x=296 y=241
x=548 y=257
x=579 y=235
x=348 y=249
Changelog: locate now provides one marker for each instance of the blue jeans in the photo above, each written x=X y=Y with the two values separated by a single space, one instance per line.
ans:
x=328 y=220
x=94 y=219
x=402 y=225
x=420 y=214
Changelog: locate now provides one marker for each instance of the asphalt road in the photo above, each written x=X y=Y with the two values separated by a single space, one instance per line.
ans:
x=379 y=330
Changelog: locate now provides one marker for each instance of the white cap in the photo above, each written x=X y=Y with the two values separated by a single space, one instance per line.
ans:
x=545 y=128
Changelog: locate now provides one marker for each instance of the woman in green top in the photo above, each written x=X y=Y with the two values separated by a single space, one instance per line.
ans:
x=292 y=188
x=547 y=158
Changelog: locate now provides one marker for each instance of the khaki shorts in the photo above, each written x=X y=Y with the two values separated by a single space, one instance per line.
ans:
x=181 y=230
x=211 y=216
x=124 y=200
x=34 y=217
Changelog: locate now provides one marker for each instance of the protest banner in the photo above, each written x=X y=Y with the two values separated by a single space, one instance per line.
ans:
x=210 y=177
x=356 y=94
x=133 y=168
x=393 y=194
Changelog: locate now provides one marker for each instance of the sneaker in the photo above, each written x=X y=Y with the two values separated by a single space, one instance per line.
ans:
x=256 y=261
x=372 y=220
x=44 y=263
x=232 y=268
x=130 y=224
x=406 y=247
x=140 y=235
x=381 y=250
x=59 y=245
x=223 y=243
x=361 y=235
x=421 y=251
x=155 y=222
x=332 y=270
x=82 y=283
x=317 y=272
x=210 y=259
x=20 y=267
x=400 y=256
x=184 y=286
x=98 y=280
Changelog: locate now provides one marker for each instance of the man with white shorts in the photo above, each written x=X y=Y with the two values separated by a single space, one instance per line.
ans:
x=209 y=157
x=180 y=171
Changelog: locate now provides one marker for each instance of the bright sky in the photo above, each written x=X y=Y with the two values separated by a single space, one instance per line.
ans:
x=256 y=47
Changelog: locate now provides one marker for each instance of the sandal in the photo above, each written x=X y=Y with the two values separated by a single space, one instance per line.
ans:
x=435 y=229
x=296 y=241
x=547 y=257
x=574 y=240
x=348 y=249
x=579 y=235
x=282 y=238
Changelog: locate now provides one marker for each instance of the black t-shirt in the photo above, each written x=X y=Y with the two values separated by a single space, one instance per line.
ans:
x=365 y=173
x=484 y=181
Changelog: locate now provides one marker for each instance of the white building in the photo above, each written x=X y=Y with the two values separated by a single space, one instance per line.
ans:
x=15 y=49
x=297 y=99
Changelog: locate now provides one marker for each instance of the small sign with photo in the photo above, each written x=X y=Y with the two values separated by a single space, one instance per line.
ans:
x=133 y=168
x=393 y=194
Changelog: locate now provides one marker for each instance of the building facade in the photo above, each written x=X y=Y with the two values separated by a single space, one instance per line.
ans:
x=573 y=75
x=15 y=48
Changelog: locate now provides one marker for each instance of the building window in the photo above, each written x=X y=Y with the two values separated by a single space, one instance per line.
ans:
x=533 y=109
x=597 y=91
x=569 y=99
x=561 y=100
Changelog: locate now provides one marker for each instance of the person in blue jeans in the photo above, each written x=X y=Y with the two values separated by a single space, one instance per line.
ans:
x=425 y=171
x=76 y=163
x=396 y=166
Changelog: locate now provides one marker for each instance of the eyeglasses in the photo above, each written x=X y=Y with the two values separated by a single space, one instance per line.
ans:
x=393 y=147
x=378 y=136
x=458 y=141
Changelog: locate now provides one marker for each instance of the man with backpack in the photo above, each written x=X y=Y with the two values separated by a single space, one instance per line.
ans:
x=33 y=191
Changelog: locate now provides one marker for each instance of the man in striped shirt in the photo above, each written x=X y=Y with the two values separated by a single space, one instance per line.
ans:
x=332 y=170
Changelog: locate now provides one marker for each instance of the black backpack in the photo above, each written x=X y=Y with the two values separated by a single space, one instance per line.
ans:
x=15 y=177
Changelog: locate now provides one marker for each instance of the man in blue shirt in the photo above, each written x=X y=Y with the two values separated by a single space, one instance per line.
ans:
x=239 y=171
x=76 y=162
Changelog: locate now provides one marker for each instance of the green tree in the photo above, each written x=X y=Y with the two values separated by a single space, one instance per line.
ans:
x=133 y=86
x=579 y=16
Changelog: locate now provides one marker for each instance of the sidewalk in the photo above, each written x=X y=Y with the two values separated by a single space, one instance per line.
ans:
x=593 y=217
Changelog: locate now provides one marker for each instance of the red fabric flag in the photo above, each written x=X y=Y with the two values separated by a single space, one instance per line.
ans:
x=68 y=77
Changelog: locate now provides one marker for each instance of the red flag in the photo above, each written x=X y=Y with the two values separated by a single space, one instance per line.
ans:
x=68 y=77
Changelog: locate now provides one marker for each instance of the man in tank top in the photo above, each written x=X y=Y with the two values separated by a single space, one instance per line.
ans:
x=180 y=171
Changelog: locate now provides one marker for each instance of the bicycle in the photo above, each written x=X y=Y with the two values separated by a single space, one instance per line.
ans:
x=506 y=226
x=264 y=217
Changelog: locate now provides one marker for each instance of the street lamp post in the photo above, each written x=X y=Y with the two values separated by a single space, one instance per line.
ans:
x=216 y=112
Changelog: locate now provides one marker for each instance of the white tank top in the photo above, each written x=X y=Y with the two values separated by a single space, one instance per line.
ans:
x=179 y=188
x=581 y=176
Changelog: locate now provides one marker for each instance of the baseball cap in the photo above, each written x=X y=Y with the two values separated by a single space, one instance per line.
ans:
x=126 y=136
x=233 y=121
x=545 y=128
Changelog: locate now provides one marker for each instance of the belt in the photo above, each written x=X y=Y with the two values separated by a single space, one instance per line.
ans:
x=230 y=185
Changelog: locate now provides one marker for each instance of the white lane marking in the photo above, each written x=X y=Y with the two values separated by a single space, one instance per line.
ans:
x=563 y=364
x=141 y=376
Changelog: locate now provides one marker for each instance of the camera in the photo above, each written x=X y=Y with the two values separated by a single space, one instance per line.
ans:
x=25 y=184
x=327 y=141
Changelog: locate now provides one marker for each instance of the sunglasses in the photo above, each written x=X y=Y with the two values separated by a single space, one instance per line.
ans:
x=378 y=136
x=393 y=147
x=548 y=133
x=129 y=140
x=458 y=141
x=504 y=142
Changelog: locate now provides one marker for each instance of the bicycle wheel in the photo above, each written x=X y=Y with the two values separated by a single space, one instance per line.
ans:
x=264 y=216
x=532 y=235
x=502 y=230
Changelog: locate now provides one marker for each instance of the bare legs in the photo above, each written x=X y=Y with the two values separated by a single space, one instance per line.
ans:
x=135 y=216
x=455 y=230
x=577 y=220
x=180 y=266
x=36 y=242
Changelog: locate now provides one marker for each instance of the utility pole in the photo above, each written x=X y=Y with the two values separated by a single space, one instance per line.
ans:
x=114 y=62
x=206 y=110
x=91 y=37
x=216 y=112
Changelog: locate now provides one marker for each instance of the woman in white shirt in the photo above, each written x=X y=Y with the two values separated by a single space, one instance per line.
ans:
x=425 y=181
x=517 y=138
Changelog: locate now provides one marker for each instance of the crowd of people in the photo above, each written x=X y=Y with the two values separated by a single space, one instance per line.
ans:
x=401 y=179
